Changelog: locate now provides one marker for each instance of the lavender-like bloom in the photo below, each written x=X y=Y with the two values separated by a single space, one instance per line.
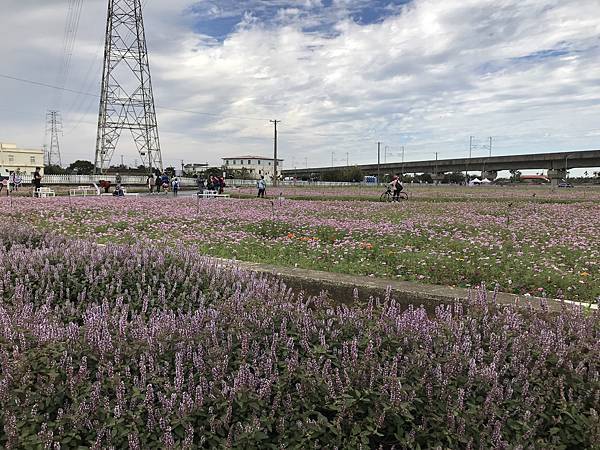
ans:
x=177 y=352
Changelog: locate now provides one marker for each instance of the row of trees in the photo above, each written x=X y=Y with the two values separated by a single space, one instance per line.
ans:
x=83 y=167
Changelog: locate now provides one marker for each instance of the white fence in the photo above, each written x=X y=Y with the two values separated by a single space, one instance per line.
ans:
x=139 y=180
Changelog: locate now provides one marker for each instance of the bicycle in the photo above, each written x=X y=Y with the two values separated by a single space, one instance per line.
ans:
x=388 y=196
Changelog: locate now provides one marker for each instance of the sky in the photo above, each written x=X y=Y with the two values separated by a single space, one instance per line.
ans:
x=341 y=75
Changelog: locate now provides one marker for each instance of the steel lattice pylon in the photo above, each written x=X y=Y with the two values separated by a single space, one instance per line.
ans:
x=53 y=126
x=126 y=101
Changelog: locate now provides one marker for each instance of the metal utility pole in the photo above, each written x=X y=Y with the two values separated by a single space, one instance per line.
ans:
x=470 y=146
x=53 y=126
x=122 y=164
x=126 y=99
x=378 y=160
x=469 y=161
x=403 y=160
x=275 y=122
x=490 y=146
x=347 y=158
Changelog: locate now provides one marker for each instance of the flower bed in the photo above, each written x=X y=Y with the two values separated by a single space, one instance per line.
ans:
x=541 y=249
x=134 y=346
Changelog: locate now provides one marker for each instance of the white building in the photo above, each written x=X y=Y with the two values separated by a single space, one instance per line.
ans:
x=23 y=160
x=195 y=168
x=255 y=165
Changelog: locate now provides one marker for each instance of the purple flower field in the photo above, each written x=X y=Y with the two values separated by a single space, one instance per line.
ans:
x=525 y=246
x=146 y=346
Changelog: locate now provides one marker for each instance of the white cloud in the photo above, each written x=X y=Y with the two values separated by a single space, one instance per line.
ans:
x=524 y=71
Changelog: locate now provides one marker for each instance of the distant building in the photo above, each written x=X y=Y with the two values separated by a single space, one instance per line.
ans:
x=195 y=168
x=24 y=160
x=255 y=165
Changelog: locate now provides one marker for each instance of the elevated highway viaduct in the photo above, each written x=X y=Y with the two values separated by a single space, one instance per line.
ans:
x=557 y=165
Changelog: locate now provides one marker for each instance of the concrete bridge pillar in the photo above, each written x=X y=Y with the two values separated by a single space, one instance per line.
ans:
x=556 y=176
x=489 y=174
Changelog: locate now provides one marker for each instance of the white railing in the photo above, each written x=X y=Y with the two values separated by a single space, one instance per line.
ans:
x=139 y=180
x=81 y=180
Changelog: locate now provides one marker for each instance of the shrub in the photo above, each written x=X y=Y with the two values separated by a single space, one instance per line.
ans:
x=129 y=346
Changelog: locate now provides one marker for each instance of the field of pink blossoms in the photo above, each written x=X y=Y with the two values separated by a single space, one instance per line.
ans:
x=542 y=245
x=435 y=193
x=153 y=346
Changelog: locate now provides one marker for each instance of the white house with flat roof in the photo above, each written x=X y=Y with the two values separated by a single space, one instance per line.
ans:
x=24 y=160
x=255 y=165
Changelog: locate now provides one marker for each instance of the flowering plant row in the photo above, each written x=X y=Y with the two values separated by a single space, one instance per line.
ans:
x=527 y=248
x=133 y=347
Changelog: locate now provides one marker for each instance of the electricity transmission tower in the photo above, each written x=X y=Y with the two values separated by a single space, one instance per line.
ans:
x=53 y=126
x=126 y=100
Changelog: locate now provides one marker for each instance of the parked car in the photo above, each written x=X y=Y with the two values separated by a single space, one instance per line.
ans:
x=564 y=184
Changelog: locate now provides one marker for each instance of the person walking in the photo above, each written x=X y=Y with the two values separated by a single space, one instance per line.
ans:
x=175 y=186
x=37 y=181
x=262 y=186
x=158 y=182
x=150 y=183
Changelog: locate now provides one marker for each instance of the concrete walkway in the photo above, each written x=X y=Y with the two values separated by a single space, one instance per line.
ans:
x=340 y=287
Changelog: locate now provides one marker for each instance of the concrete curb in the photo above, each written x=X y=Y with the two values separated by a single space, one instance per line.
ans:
x=341 y=288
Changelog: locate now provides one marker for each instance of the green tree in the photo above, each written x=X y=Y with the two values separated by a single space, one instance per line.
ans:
x=54 y=170
x=354 y=174
x=81 y=167
x=454 y=177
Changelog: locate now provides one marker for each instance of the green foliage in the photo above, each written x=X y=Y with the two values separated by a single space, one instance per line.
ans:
x=54 y=170
x=81 y=167
x=351 y=174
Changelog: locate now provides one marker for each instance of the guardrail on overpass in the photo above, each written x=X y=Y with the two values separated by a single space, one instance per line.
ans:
x=559 y=162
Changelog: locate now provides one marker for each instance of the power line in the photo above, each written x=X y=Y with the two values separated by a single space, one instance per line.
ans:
x=51 y=86
x=187 y=111
x=69 y=40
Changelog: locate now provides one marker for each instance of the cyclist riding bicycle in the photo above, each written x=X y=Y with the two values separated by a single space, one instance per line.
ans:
x=396 y=185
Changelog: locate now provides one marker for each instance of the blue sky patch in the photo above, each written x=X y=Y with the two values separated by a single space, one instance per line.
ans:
x=218 y=19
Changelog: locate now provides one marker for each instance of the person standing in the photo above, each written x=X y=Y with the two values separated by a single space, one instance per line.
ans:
x=11 y=180
x=165 y=182
x=150 y=183
x=37 y=180
x=200 y=182
x=262 y=186
x=18 y=180
x=175 y=185
x=158 y=182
